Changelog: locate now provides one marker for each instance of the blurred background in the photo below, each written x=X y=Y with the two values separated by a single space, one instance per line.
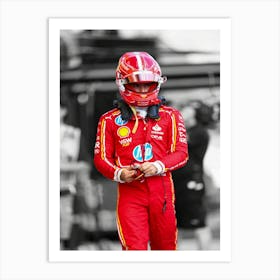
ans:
x=88 y=59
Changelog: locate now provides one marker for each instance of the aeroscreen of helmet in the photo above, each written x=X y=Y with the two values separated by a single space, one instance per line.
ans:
x=141 y=87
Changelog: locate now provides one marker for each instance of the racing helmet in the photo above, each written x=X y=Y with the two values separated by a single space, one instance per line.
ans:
x=139 y=77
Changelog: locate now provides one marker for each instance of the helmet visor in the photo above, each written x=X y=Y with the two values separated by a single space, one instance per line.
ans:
x=141 y=87
x=142 y=77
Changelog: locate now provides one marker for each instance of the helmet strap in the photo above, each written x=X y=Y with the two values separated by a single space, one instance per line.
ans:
x=125 y=109
x=153 y=111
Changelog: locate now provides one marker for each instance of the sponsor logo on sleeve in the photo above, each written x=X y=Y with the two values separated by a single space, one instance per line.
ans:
x=97 y=148
x=181 y=124
x=183 y=140
x=181 y=118
x=182 y=129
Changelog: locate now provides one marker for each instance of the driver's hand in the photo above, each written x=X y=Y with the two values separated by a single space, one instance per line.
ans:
x=149 y=169
x=128 y=174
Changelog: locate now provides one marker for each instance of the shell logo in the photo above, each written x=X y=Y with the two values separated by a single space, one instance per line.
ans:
x=123 y=131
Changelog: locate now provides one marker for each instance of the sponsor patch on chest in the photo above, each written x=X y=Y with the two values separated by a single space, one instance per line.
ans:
x=119 y=121
x=125 y=142
x=143 y=152
x=157 y=137
x=123 y=131
x=156 y=130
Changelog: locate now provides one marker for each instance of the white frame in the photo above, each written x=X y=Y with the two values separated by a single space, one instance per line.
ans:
x=221 y=24
x=24 y=139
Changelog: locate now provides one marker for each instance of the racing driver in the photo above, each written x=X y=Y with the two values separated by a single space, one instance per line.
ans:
x=138 y=144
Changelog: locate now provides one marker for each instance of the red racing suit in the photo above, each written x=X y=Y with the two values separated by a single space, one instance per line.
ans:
x=145 y=207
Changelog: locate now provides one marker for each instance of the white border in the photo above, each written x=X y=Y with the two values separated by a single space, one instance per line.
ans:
x=222 y=24
x=24 y=140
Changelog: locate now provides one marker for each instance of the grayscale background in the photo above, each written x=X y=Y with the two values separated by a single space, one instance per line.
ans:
x=88 y=58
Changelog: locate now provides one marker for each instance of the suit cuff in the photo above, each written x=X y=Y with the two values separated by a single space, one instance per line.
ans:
x=117 y=175
x=159 y=166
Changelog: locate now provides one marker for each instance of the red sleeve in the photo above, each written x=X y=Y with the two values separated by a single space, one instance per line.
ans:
x=104 y=150
x=178 y=155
